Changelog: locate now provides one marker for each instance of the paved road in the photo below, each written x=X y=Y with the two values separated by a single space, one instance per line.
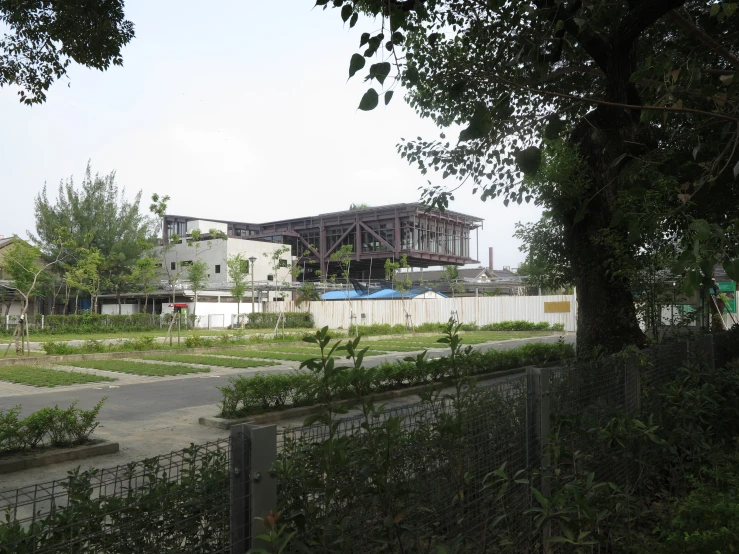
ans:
x=142 y=401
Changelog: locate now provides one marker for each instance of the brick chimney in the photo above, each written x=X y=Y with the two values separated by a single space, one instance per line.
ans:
x=490 y=262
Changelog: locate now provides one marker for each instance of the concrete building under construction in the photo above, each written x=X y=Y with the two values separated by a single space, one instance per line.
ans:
x=428 y=237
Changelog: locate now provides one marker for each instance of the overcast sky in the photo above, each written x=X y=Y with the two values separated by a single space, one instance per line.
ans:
x=238 y=111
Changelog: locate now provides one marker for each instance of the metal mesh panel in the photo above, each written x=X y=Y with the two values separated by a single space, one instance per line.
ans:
x=726 y=347
x=430 y=478
x=660 y=363
x=175 y=503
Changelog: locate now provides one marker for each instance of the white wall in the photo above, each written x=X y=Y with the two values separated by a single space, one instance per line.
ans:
x=216 y=253
x=112 y=309
x=481 y=310
x=217 y=314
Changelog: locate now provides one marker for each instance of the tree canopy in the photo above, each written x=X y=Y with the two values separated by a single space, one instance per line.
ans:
x=96 y=217
x=620 y=119
x=43 y=37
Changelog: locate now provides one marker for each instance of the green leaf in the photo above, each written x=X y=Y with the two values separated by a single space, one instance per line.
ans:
x=356 y=63
x=714 y=9
x=560 y=26
x=480 y=125
x=380 y=71
x=726 y=80
x=388 y=96
x=346 y=12
x=369 y=100
x=364 y=39
x=728 y=8
x=702 y=229
x=529 y=160
x=732 y=269
x=579 y=22
x=353 y=20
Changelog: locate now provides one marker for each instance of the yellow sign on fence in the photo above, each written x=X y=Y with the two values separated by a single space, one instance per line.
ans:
x=556 y=307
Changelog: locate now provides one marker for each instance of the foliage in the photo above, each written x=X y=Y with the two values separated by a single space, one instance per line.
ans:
x=706 y=520
x=143 y=276
x=359 y=206
x=36 y=376
x=41 y=40
x=197 y=274
x=23 y=265
x=217 y=361
x=47 y=427
x=387 y=329
x=107 y=230
x=238 y=270
x=546 y=264
x=450 y=276
x=154 y=508
x=307 y=292
x=89 y=323
x=244 y=395
x=292 y=320
x=620 y=145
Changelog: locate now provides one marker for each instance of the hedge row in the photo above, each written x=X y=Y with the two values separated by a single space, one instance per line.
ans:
x=293 y=320
x=96 y=323
x=261 y=393
x=387 y=329
x=47 y=427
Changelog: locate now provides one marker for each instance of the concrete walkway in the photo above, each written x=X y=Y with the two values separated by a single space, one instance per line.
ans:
x=155 y=415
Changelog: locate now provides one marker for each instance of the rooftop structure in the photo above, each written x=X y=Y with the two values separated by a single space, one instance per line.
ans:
x=428 y=237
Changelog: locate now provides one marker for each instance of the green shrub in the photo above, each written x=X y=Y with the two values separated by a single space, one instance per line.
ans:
x=706 y=520
x=249 y=395
x=292 y=320
x=48 y=426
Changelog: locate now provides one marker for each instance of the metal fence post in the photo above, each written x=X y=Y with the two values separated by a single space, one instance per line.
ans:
x=539 y=429
x=710 y=353
x=253 y=489
x=632 y=384
x=239 y=488
x=263 y=486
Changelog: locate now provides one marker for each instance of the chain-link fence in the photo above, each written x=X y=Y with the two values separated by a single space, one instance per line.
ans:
x=460 y=465
x=173 y=503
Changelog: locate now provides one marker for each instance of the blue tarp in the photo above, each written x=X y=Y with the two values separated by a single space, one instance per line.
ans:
x=384 y=294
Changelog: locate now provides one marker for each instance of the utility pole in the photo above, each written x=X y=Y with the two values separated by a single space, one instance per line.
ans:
x=251 y=268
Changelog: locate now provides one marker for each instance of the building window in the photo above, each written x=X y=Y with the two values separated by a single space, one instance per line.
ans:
x=172 y=265
x=218 y=269
x=270 y=277
x=283 y=263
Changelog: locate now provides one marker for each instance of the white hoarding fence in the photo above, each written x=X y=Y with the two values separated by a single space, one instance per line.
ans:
x=482 y=310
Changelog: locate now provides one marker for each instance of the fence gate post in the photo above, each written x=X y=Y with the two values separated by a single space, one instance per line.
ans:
x=632 y=384
x=253 y=489
x=710 y=354
x=538 y=429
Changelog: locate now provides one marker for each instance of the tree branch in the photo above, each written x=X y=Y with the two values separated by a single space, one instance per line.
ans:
x=618 y=104
x=640 y=17
x=692 y=30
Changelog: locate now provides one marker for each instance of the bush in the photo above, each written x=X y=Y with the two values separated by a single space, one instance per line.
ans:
x=48 y=426
x=387 y=329
x=260 y=393
x=293 y=320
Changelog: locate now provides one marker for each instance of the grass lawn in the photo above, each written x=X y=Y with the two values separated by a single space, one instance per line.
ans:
x=314 y=351
x=41 y=377
x=43 y=337
x=140 y=367
x=264 y=354
x=207 y=360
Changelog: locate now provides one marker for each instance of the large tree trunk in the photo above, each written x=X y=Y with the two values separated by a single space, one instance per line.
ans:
x=600 y=254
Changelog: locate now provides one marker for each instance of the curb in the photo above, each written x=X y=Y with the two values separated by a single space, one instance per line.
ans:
x=57 y=456
x=271 y=417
